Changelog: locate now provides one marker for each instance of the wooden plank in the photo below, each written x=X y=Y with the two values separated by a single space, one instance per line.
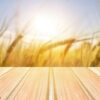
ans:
x=68 y=87
x=95 y=70
x=58 y=83
x=9 y=81
x=52 y=91
x=90 y=80
x=33 y=86
x=3 y=70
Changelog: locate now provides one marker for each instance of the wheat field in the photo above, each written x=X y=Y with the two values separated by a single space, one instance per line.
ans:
x=59 y=53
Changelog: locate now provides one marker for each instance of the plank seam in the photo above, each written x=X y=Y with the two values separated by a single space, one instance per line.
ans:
x=83 y=86
x=18 y=84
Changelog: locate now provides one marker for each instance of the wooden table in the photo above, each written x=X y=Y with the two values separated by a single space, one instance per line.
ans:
x=54 y=83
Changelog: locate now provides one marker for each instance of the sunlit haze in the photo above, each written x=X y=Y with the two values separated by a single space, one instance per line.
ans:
x=51 y=20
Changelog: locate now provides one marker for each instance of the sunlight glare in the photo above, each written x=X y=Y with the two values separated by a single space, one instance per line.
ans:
x=46 y=27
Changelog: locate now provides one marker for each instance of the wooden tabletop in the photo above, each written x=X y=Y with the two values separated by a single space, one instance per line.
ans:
x=49 y=83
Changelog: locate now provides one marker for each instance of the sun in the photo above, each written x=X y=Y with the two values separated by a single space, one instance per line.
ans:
x=46 y=27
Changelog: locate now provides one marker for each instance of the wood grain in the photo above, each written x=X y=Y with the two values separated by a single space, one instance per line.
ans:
x=50 y=83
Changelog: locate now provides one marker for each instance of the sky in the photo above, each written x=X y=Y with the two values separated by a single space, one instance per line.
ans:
x=79 y=16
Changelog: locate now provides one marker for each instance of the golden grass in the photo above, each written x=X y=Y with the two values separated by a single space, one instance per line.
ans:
x=58 y=53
